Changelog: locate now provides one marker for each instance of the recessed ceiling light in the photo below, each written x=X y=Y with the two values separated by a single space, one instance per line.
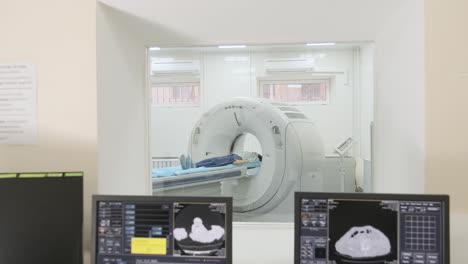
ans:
x=154 y=48
x=321 y=44
x=232 y=46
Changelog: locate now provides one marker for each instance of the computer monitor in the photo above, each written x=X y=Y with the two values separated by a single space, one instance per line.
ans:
x=161 y=229
x=41 y=218
x=338 y=228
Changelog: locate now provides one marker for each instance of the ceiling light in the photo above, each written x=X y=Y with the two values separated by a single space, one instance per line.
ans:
x=232 y=46
x=154 y=48
x=321 y=44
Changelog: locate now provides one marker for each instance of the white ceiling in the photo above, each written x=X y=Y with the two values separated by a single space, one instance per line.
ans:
x=202 y=22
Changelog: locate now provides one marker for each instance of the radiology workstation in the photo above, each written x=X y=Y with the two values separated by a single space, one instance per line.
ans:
x=293 y=160
x=43 y=216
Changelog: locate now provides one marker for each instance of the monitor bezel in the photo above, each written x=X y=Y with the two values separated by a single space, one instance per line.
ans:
x=182 y=199
x=372 y=196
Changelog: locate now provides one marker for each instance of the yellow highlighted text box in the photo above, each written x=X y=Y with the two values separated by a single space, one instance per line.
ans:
x=149 y=246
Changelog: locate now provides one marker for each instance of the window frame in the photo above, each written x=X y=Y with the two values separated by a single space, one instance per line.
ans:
x=174 y=82
x=296 y=80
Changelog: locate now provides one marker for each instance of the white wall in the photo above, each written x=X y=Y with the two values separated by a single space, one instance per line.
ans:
x=122 y=131
x=206 y=22
x=226 y=75
x=258 y=243
x=458 y=237
x=399 y=103
x=365 y=104
x=170 y=130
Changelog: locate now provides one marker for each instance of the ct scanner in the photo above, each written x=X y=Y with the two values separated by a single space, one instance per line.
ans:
x=291 y=147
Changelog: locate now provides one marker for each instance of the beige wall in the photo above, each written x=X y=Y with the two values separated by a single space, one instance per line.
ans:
x=447 y=100
x=58 y=37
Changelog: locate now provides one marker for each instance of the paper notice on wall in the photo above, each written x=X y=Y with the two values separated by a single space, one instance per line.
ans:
x=18 y=113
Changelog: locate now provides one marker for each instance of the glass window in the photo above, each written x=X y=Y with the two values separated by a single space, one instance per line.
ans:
x=273 y=100
x=167 y=94
x=298 y=92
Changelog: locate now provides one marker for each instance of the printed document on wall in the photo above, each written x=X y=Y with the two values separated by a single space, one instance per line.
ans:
x=18 y=104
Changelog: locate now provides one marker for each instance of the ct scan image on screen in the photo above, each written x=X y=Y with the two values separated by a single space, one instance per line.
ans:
x=365 y=229
x=368 y=235
x=200 y=230
x=151 y=230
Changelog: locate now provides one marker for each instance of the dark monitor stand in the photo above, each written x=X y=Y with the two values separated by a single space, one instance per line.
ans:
x=41 y=218
x=161 y=229
x=345 y=228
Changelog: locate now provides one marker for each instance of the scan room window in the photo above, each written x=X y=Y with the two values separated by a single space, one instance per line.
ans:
x=175 y=94
x=297 y=92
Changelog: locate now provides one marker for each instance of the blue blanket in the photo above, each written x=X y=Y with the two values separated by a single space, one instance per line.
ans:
x=177 y=170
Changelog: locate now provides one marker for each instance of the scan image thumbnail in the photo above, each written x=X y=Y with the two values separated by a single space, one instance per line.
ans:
x=363 y=232
x=200 y=230
x=363 y=242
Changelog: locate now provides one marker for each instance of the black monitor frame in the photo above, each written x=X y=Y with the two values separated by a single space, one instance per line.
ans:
x=371 y=196
x=38 y=183
x=186 y=199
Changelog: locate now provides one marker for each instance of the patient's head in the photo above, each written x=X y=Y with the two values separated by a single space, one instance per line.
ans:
x=255 y=154
x=258 y=156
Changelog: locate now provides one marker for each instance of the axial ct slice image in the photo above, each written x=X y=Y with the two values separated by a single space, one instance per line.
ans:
x=363 y=242
x=199 y=230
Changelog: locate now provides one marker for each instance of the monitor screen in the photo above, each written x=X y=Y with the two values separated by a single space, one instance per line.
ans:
x=161 y=229
x=339 y=228
x=41 y=218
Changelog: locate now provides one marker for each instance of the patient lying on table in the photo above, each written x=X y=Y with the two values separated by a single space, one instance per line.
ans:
x=235 y=159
